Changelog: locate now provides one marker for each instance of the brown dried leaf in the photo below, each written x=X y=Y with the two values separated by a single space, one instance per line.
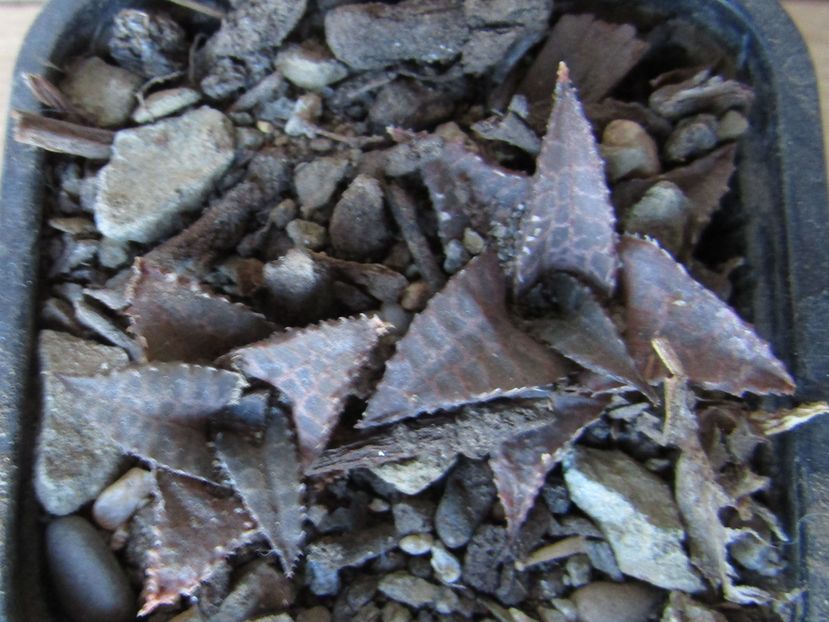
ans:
x=404 y=210
x=699 y=495
x=598 y=53
x=194 y=528
x=717 y=349
x=702 y=92
x=521 y=464
x=704 y=181
x=176 y=320
x=786 y=419
x=582 y=331
x=61 y=136
x=475 y=431
x=569 y=222
x=51 y=96
x=379 y=281
x=220 y=228
x=159 y=413
x=264 y=470
x=461 y=349
x=316 y=368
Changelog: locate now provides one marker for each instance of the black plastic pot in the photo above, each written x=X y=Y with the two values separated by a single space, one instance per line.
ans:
x=781 y=185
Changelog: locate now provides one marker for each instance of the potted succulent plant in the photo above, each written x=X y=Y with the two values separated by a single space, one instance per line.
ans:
x=435 y=306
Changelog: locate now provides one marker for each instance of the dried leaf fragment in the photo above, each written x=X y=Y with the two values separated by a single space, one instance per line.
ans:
x=699 y=495
x=159 y=413
x=785 y=419
x=316 y=368
x=264 y=469
x=62 y=136
x=177 y=320
x=599 y=54
x=717 y=349
x=461 y=349
x=569 y=223
x=195 y=527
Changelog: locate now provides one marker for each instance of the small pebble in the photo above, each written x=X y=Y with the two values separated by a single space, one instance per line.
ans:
x=379 y=505
x=519 y=616
x=392 y=313
x=112 y=254
x=119 y=501
x=102 y=91
x=316 y=614
x=310 y=66
x=732 y=125
x=691 y=138
x=307 y=234
x=567 y=607
x=551 y=615
x=395 y=612
x=417 y=544
x=317 y=180
x=413 y=516
x=578 y=570
x=456 y=257
x=629 y=151
x=88 y=580
x=420 y=567
x=415 y=296
x=663 y=214
x=446 y=566
x=473 y=242
x=359 y=225
x=620 y=602
x=164 y=103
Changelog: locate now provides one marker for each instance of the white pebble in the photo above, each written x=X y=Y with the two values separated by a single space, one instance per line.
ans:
x=119 y=501
x=417 y=544
x=446 y=566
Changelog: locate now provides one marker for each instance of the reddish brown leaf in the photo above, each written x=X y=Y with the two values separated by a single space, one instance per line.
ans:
x=569 y=223
x=475 y=431
x=176 y=320
x=521 y=464
x=715 y=347
x=461 y=349
x=159 y=413
x=582 y=331
x=194 y=528
x=598 y=53
x=316 y=368
x=468 y=191
x=264 y=469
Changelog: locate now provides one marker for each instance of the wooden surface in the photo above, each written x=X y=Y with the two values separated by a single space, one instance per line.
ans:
x=812 y=17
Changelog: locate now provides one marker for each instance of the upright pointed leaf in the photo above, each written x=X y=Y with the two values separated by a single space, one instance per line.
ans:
x=159 y=413
x=194 y=528
x=176 y=320
x=521 y=464
x=716 y=348
x=568 y=225
x=461 y=349
x=265 y=470
x=316 y=368
x=582 y=331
